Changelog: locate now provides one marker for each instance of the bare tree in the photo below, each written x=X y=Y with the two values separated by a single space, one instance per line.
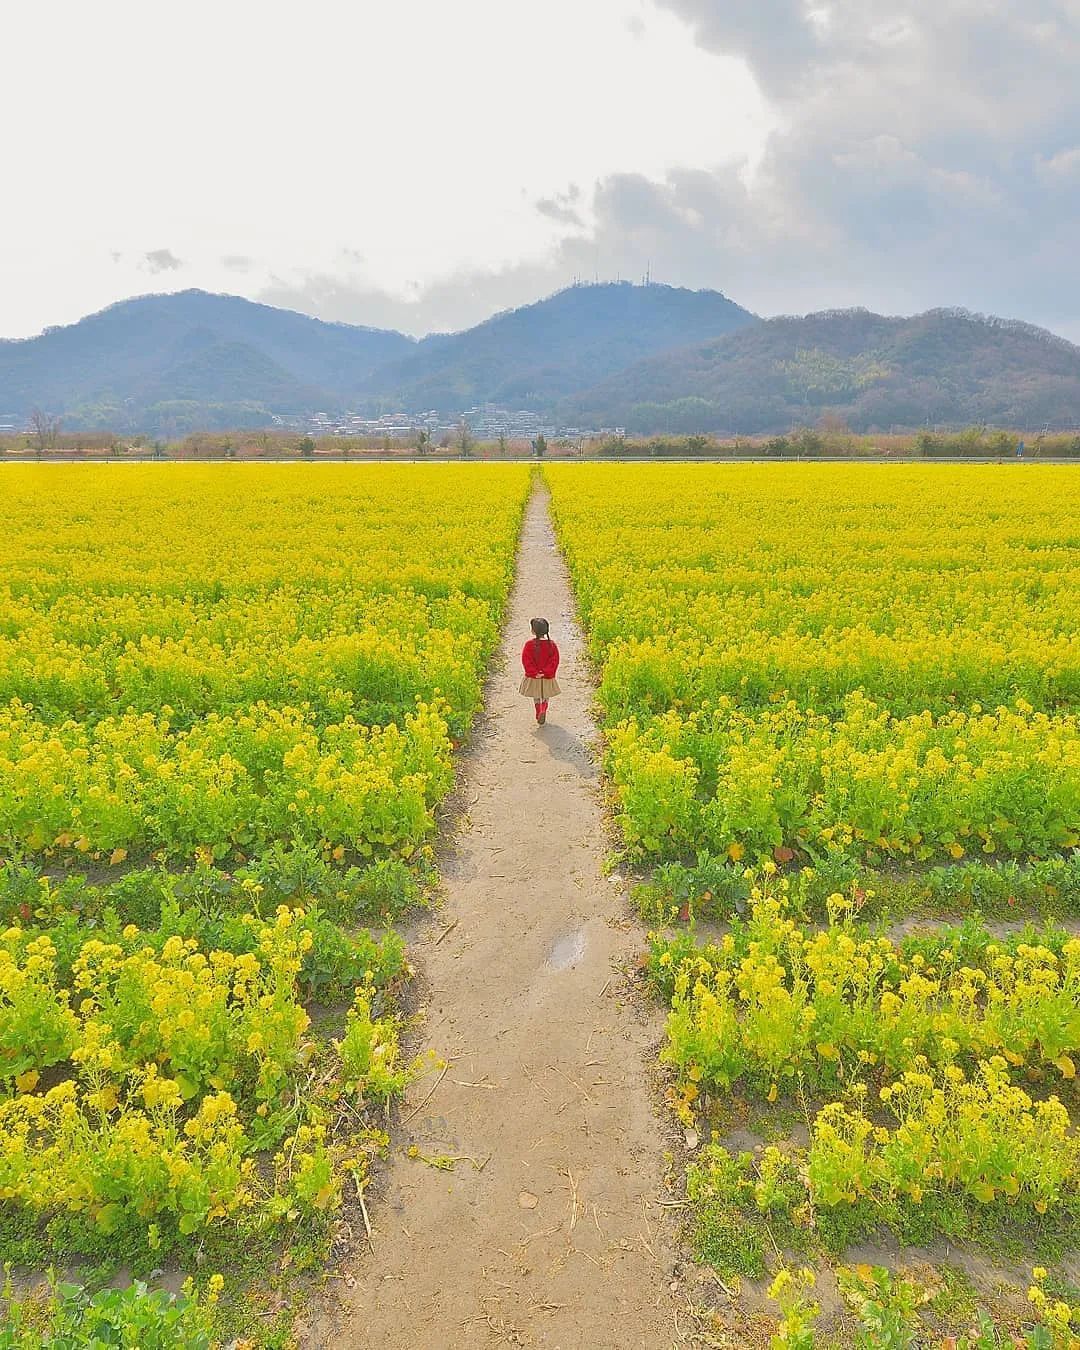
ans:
x=44 y=430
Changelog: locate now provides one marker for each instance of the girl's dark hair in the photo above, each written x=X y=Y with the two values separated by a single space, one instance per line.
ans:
x=541 y=629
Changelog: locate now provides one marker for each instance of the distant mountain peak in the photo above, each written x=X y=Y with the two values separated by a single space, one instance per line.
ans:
x=535 y=354
x=114 y=367
x=195 y=299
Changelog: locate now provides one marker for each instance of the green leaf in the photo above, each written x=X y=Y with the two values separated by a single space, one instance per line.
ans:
x=109 y=1217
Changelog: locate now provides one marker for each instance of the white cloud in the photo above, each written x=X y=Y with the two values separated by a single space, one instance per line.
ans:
x=420 y=135
x=1062 y=166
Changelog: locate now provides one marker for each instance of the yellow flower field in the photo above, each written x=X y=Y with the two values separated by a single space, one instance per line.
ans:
x=215 y=657
x=826 y=687
x=877 y=660
x=229 y=701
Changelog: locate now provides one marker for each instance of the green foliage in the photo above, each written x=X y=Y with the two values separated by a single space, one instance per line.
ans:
x=805 y=443
x=791 y=1291
x=885 y=1305
x=66 y=1316
x=973 y=442
x=658 y=447
x=760 y=780
x=877 y=373
x=533 y=356
x=720 y=1189
x=716 y=888
x=822 y=377
x=887 y=1308
x=371 y=1054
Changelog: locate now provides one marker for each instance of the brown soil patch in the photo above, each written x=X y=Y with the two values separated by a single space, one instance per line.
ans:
x=547 y=1229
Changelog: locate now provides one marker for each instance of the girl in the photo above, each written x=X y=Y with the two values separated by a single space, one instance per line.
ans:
x=540 y=658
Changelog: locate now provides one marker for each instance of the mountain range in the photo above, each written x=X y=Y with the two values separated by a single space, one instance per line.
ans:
x=170 y=363
x=651 y=358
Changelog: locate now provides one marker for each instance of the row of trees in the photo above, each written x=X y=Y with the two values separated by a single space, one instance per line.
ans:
x=832 y=442
x=45 y=435
x=466 y=443
x=829 y=438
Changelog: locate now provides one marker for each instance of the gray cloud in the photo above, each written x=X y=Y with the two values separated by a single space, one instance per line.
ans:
x=236 y=262
x=564 y=207
x=161 y=260
x=777 y=37
x=927 y=153
x=458 y=301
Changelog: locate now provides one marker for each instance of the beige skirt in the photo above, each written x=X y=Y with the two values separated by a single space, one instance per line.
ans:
x=539 y=690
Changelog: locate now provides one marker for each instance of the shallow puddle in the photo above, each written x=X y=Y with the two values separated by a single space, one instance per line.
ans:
x=568 y=951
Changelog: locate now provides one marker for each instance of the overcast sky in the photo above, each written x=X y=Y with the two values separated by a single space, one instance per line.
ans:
x=422 y=164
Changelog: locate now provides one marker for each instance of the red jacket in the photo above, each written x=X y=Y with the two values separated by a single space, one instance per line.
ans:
x=540 y=657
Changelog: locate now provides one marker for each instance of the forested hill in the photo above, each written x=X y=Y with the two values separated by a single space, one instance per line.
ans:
x=945 y=366
x=191 y=360
x=533 y=356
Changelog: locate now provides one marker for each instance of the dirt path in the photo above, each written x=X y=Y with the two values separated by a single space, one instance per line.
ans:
x=546 y=1231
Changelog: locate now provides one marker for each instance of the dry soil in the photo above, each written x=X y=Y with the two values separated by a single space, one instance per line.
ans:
x=547 y=1230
